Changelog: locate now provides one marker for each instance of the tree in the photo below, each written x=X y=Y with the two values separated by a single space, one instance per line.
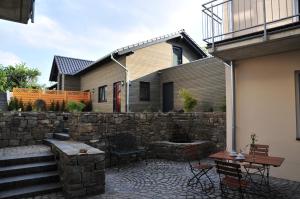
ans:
x=3 y=79
x=19 y=76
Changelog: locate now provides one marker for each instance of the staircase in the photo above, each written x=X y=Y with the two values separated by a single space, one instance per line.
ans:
x=28 y=175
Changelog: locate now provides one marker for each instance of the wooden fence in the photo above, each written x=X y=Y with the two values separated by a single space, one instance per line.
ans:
x=31 y=95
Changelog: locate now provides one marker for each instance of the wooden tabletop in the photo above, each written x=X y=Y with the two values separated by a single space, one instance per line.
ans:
x=264 y=160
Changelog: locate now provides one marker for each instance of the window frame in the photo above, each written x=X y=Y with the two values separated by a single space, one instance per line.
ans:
x=181 y=50
x=148 y=97
x=297 y=103
x=100 y=100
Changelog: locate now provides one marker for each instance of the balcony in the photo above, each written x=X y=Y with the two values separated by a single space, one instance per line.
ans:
x=238 y=29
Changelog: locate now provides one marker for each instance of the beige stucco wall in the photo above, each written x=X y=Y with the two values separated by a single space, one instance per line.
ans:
x=204 y=79
x=265 y=103
x=143 y=65
x=105 y=74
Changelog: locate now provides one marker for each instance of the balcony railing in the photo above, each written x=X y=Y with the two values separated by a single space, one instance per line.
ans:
x=227 y=19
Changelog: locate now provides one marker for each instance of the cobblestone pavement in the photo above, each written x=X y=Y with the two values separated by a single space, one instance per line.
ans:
x=161 y=179
x=23 y=150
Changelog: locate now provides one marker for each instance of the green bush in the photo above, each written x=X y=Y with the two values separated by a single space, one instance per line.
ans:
x=52 y=106
x=88 y=106
x=189 y=102
x=21 y=105
x=63 y=106
x=207 y=107
x=57 y=106
x=28 y=106
x=13 y=104
x=40 y=105
x=75 y=106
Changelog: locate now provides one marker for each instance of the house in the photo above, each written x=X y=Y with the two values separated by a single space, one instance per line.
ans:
x=17 y=10
x=260 y=41
x=146 y=76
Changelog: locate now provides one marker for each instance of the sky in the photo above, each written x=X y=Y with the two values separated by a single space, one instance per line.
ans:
x=90 y=29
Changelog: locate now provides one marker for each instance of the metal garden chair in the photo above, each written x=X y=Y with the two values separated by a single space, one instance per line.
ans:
x=198 y=169
x=257 y=169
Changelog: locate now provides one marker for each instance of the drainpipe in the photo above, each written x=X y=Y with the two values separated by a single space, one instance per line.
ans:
x=126 y=80
x=233 y=106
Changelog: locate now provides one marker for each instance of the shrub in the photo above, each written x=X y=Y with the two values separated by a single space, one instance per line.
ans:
x=57 y=106
x=52 y=106
x=88 y=106
x=63 y=106
x=75 y=106
x=207 y=107
x=189 y=102
x=28 y=106
x=13 y=104
x=40 y=105
x=21 y=105
x=223 y=108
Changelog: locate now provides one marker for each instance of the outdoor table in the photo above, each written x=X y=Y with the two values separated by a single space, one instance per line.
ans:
x=255 y=159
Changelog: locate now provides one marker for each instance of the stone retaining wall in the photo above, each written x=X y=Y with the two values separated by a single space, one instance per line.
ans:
x=29 y=128
x=95 y=128
x=80 y=174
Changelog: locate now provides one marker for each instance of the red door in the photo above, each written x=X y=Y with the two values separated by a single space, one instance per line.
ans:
x=117 y=97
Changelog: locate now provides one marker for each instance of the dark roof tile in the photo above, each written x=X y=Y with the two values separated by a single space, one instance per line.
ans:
x=70 y=66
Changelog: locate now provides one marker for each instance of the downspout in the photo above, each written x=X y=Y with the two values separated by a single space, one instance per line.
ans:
x=233 y=106
x=126 y=80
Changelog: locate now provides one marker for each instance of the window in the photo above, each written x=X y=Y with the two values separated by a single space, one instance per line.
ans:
x=297 y=86
x=145 y=91
x=102 y=94
x=177 y=55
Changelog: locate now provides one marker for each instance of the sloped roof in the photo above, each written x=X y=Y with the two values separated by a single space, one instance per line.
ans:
x=72 y=66
x=67 y=66
x=131 y=48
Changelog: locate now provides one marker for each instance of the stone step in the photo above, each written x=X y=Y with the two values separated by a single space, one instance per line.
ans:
x=29 y=168
x=61 y=136
x=28 y=180
x=30 y=191
x=24 y=159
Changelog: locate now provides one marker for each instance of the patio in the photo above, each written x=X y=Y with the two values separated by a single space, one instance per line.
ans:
x=167 y=179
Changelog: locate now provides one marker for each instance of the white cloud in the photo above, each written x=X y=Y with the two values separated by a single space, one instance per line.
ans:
x=144 y=20
x=8 y=58
x=98 y=39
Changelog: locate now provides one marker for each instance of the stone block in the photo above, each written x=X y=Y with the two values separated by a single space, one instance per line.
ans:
x=100 y=165
x=75 y=193
x=14 y=142
x=85 y=128
x=95 y=190
x=88 y=178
